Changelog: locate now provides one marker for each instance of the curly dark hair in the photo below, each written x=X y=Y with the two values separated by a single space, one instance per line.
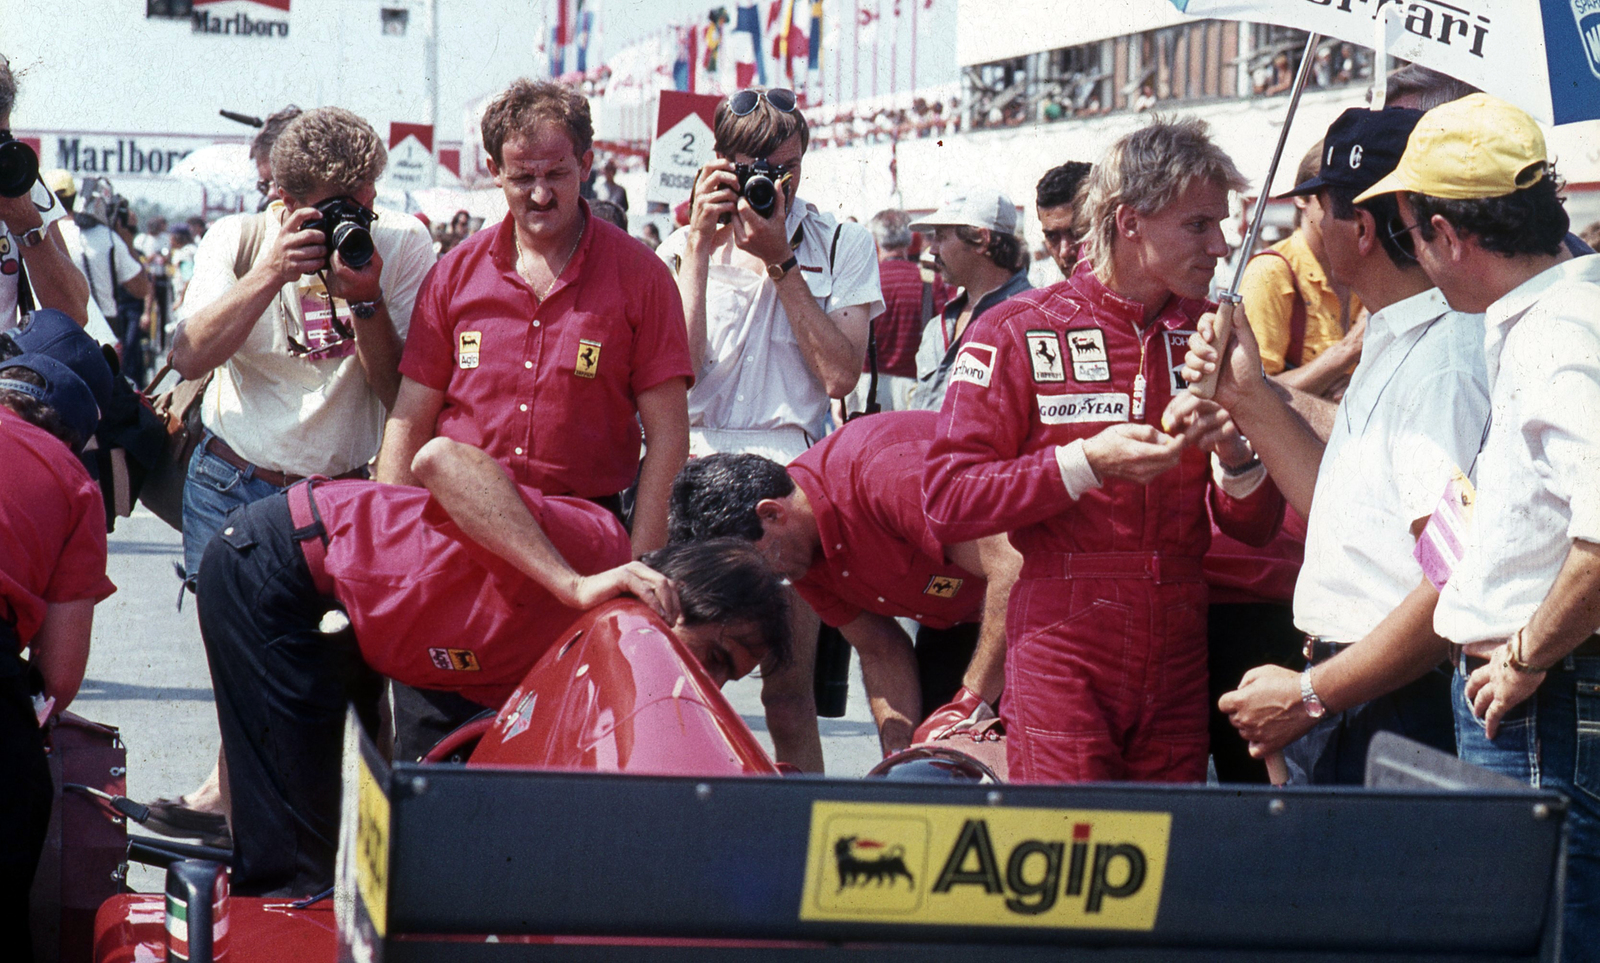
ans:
x=716 y=496
x=1532 y=220
x=726 y=580
x=1059 y=185
x=526 y=104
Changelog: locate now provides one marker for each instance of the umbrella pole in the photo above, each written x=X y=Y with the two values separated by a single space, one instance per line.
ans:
x=1222 y=326
x=1232 y=294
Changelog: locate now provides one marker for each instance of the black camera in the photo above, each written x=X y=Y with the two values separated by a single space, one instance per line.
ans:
x=345 y=226
x=19 y=166
x=759 y=184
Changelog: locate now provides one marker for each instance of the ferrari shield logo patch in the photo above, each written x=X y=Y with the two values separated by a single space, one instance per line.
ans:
x=1044 y=353
x=454 y=660
x=588 y=359
x=470 y=342
x=943 y=587
x=1088 y=349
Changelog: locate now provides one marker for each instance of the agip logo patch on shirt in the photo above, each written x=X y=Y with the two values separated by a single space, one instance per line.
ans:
x=974 y=364
x=454 y=660
x=588 y=362
x=943 y=587
x=467 y=355
x=1089 y=359
x=1044 y=353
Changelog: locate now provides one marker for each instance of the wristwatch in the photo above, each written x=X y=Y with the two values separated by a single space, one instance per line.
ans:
x=31 y=238
x=1308 y=696
x=777 y=271
x=363 y=310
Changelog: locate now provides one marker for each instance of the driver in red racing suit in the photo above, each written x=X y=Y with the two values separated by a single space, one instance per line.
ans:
x=1050 y=432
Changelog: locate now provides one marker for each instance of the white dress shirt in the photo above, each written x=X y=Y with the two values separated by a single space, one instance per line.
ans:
x=1538 y=476
x=1414 y=412
x=755 y=377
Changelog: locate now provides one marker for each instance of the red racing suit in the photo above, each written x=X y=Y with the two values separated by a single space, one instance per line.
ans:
x=1106 y=630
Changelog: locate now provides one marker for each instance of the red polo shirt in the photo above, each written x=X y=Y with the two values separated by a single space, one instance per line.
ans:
x=899 y=329
x=433 y=609
x=864 y=483
x=549 y=389
x=52 y=527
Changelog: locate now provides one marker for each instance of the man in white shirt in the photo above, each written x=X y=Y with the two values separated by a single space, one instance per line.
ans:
x=778 y=306
x=1522 y=604
x=1413 y=415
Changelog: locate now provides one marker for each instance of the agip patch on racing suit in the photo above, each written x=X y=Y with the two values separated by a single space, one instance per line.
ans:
x=1106 y=630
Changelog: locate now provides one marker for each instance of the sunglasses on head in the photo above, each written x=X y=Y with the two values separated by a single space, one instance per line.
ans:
x=745 y=101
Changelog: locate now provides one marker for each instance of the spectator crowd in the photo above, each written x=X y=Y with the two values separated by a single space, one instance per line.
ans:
x=1143 y=536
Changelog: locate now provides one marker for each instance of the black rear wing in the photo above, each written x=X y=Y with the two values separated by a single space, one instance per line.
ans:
x=444 y=862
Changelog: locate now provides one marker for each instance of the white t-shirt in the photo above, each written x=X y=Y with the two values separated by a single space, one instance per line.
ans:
x=1414 y=412
x=282 y=411
x=93 y=249
x=1538 y=476
x=755 y=377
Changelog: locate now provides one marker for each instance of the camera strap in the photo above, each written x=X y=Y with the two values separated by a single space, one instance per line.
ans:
x=25 y=303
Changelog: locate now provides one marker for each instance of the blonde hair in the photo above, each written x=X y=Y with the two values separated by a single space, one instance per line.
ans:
x=328 y=148
x=1147 y=170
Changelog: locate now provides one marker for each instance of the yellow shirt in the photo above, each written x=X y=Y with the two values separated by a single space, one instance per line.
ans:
x=1269 y=293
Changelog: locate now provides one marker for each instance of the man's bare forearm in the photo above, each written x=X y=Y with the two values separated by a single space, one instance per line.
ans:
x=211 y=335
x=59 y=650
x=1401 y=649
x=1000 y=564
x=693 y=270
x=55 y=279
x=378 y=352
x=1570 y=611
x=481 y=499
x=411 y=423
x=788 y=697
x=1317 y=375
x=1288 y=446
x=664 y=412
x=889 y=674
x=833 y=356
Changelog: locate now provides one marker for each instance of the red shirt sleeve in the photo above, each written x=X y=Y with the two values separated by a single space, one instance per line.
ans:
x=661 y=342
x=80 y=571
x=981 y=478
x=429 y=354
x=1253 y=519
x=830 y=608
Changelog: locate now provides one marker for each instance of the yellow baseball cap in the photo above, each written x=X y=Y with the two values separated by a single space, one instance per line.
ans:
x=1475 y=147
x=60 y=181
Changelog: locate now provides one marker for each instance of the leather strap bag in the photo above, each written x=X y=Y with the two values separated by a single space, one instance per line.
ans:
x=179 y=407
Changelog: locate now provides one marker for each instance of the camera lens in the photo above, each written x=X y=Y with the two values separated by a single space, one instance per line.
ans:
x=19 y=167
x=354 y=244
x=762 y=194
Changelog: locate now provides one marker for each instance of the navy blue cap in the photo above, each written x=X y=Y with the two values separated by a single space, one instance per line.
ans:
x=1361 y=148
x=63 y=391
x=53 y=333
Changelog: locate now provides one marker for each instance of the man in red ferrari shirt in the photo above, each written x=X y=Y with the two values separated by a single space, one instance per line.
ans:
x=551 y=339
x=458 y=588
x=52 y=573
x=1052 y=431
x=844 y=523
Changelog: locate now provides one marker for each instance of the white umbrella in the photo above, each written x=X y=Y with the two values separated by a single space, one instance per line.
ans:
x=220 y=168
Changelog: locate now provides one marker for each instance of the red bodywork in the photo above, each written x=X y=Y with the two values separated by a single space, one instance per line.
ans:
x=619 y=694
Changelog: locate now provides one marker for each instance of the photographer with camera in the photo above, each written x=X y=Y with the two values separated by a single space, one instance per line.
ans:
x=35 y=269
x=297 y=315
x=779 y=300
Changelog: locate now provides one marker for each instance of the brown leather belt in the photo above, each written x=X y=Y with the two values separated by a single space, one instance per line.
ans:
x=277 y=479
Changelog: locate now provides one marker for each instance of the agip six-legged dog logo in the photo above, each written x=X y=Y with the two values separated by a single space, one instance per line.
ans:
x=867 y=861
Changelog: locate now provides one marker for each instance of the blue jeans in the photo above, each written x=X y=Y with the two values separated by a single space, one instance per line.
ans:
x=212 y=491
x=1553 y=741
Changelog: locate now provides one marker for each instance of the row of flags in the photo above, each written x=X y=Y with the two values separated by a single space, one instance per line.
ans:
x=795 y=27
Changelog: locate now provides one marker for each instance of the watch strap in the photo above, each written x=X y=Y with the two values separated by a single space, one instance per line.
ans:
x=366 y=309
x=31 y=238
x=778 y=271
x=1308 y=696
